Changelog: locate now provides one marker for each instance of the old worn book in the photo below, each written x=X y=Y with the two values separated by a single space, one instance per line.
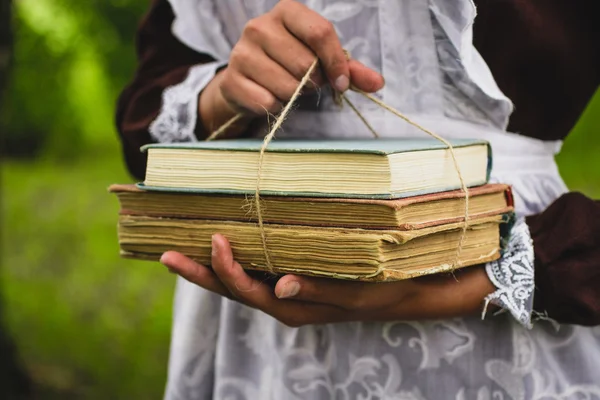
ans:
x=403 y=214
x=379 y=169
x=359 y=254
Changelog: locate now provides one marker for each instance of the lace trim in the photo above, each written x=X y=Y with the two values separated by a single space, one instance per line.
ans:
x=513 y=275
x=177 y=118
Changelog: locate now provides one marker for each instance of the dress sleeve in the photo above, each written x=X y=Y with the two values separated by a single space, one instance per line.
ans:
x=160 y=104
x=566 y=242
x=551 y=265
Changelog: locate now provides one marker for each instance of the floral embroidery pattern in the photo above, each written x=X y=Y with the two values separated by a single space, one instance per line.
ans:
x=513 y=275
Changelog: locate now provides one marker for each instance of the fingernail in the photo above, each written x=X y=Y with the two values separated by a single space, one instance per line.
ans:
x=382 y=83
x=164 y=260
x=214 y=245
x=290 y=289
x=341 y=83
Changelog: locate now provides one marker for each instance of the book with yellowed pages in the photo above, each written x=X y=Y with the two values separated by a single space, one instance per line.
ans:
x=343 y=253
x=401 y=214
x=377 y=169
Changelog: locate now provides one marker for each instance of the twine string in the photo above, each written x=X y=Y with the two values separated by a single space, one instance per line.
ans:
x=284 y=114
x=223 y=128
x=267 y=140
x=463 y=185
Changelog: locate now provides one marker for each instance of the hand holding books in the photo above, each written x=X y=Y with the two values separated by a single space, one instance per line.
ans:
x=343 y=171
x=301 y=300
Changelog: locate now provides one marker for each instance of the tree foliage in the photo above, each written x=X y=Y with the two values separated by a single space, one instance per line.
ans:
x=71 y=59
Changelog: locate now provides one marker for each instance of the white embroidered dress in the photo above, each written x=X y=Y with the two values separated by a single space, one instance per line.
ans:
x=223 y=350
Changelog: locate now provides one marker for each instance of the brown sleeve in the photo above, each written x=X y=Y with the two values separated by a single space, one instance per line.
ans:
x=163 y=61
x=566 y=240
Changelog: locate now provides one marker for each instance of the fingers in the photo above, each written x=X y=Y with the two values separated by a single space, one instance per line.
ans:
x=235 y=279
x=193 y=272
x=266 y=66
x=272 y=56
x=244 y=93
x=300 y=300
x=320 y=36
x=269 y=75
x=283 y=48
x=364 y=78
x=260 y=296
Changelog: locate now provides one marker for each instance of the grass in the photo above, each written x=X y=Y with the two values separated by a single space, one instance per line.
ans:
x=88 y=324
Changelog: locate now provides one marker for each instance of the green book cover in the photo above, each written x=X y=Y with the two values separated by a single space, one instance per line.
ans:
x=368 y=146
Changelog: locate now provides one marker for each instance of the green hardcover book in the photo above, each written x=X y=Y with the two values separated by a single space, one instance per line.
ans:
x=372 y=168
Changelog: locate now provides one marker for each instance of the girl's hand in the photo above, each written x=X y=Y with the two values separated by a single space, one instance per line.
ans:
x=273 y=54
x=300 y=300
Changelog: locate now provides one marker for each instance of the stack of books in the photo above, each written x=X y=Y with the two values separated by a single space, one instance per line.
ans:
x=374 y=210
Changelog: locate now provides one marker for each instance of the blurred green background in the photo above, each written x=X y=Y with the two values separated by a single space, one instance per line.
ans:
x=86 y=323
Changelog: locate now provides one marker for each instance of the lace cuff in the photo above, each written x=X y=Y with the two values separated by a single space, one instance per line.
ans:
x=177 y=118
x=513 y=275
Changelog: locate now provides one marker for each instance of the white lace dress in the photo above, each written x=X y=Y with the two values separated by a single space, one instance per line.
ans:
x=223 y=350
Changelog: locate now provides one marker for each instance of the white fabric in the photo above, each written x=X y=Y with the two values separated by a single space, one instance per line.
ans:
x=513 y=276
x=176 y=120
x=223 y=350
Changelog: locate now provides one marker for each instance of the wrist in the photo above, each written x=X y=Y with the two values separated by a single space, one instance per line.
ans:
x=454 y=295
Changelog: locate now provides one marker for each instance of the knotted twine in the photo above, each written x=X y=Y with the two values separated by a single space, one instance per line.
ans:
x=281 y=118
